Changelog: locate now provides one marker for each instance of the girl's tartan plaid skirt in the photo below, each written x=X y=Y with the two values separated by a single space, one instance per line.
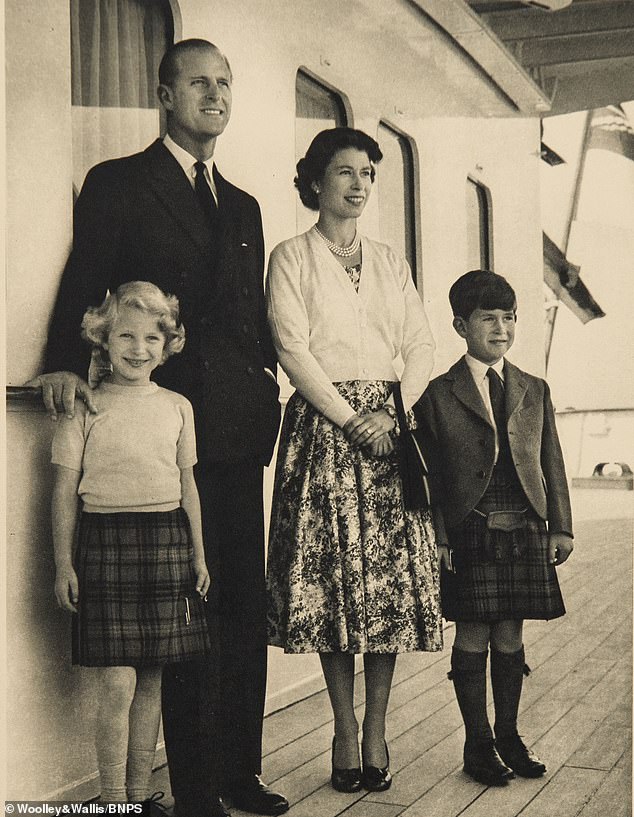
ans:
x=485 y=589
x=138 y=604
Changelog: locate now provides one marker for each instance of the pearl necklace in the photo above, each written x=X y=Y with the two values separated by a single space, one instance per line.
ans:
x=343 y=252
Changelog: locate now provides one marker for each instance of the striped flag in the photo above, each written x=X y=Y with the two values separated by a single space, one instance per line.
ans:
x=611 y=130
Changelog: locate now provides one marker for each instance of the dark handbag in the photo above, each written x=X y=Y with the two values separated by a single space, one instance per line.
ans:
x=412 y=465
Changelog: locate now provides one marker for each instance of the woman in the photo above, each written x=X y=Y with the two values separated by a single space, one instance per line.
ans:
x=349 y=571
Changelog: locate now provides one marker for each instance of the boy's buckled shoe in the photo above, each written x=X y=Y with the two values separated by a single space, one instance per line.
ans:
x=519 y=757
x=484 y=764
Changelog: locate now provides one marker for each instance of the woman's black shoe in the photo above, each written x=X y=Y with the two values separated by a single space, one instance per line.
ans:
x=345 y=780
x=376 y=779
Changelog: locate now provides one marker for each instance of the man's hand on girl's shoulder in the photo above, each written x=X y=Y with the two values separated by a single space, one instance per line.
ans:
x=59 y=391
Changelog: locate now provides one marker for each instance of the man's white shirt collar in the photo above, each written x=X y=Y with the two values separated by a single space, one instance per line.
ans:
x=188 y=162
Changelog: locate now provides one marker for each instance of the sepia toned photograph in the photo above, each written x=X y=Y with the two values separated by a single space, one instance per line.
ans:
x=320 y=407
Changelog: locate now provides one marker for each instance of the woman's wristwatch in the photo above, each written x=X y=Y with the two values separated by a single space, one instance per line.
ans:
x=392 y=413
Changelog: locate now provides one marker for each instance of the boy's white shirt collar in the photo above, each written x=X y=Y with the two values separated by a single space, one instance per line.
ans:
x=187 y=162
x=479 y=369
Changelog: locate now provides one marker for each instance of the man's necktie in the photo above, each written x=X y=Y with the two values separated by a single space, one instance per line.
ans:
x=205 y=196
x=496 y=393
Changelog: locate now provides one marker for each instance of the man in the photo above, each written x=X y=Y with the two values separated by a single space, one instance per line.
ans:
x=166 y=215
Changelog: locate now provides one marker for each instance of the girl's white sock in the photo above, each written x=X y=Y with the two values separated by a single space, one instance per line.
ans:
x=139 y=774
x=113 y=782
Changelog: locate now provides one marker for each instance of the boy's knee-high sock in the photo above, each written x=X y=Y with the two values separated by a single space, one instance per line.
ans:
x=507 y=675
x=468 y=672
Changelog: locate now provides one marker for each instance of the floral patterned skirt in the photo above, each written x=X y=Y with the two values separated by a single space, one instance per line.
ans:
x=349 y=570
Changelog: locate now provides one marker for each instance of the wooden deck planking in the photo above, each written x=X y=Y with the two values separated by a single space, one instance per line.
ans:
x=576 y=713
x=574 y=789
x=613 y=798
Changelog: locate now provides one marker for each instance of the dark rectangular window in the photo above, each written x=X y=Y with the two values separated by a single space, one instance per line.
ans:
x=396 y=190
x=116 y=48
x=479 y=244
x=317 y=107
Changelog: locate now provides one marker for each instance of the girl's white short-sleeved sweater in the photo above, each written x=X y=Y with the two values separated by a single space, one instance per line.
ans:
x=130 y=453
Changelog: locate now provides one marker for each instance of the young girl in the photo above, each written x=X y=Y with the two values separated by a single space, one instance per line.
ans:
x=137 y=580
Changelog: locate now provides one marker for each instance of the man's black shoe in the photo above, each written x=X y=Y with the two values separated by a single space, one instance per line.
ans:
x=205 y=806
x=251 y=794
x=519 y=757
x=483 y=763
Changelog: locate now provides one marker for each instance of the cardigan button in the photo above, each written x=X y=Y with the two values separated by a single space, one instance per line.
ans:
x=250 y=370
x=245 y=291
x=482 y=474
x=206 y=365
x=245 y=328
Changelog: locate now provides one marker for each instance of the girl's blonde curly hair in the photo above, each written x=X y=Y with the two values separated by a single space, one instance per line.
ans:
x=99 y=320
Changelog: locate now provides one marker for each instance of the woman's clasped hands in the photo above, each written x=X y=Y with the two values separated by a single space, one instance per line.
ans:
x=371 y=432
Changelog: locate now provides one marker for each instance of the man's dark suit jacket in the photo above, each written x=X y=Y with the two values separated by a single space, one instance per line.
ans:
x=138 y=218
x=453 y=412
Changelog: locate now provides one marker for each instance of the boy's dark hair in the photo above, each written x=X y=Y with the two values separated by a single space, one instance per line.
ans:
x=318 y=156
x=481 y=289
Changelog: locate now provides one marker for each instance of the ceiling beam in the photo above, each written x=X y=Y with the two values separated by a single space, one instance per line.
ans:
x=470 y=32
x=575 y=48
x=591 y=89
x=578 y=18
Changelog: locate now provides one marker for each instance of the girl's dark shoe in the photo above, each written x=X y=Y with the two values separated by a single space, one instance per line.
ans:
x=345 y=780
x=153 y=807
x=519 y=757
x=375 y=778
x=483 y=763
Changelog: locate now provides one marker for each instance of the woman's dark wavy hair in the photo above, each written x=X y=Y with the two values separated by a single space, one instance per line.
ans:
x=312 y=167
x=481 y=289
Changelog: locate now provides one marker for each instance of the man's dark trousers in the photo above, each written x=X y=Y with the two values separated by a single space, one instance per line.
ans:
x=225 y=723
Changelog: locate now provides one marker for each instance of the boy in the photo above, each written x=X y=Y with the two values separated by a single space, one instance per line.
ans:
x=494 y=428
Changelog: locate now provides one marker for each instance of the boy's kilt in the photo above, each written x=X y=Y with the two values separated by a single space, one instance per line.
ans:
x=483 y=589
x=138 y=604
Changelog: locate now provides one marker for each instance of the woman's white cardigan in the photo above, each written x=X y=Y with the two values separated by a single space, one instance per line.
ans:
x=325 y=332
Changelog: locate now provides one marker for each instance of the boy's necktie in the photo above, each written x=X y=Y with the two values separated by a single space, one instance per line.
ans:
x=496 y=393
x=205 y=196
